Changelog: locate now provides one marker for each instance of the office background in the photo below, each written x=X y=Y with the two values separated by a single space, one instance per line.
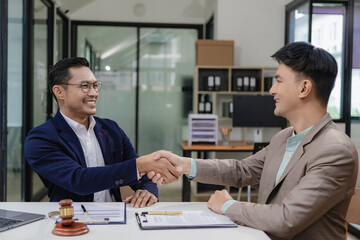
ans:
x=144 y=53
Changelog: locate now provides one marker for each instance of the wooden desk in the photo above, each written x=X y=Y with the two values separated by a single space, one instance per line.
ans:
x=41 y=230
x=234 y=146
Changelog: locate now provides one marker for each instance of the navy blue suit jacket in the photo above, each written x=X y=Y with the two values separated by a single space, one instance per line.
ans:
x=55 y=153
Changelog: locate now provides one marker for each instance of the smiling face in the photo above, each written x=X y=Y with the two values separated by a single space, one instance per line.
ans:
x=74 y=103
x=286 y=92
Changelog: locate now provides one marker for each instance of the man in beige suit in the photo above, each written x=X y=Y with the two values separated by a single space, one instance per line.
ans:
x=308 y=171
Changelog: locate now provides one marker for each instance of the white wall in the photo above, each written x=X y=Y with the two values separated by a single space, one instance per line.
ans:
x=210 y=6
x=257 y=26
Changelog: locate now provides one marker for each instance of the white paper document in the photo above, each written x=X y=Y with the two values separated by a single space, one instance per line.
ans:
x=188 y=219
x=104 y=213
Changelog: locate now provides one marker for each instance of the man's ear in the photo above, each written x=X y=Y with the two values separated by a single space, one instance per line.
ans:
x=59 y=92
x=306 y=87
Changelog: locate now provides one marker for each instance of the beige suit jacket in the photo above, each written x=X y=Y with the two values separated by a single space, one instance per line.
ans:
x=312 y=196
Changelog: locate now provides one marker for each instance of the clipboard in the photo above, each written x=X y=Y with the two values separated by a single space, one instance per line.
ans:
x=188 y=219
x=104 y=213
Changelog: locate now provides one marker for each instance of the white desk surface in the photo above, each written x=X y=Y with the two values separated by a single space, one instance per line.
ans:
x=40 y=230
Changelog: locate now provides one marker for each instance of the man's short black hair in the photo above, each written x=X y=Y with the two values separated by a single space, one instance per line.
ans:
x=59 y=73
x=310 y=62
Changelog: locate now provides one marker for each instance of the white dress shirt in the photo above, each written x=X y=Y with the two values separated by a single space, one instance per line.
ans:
x=92 y=151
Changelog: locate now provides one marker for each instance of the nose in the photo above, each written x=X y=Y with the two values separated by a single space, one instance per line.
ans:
x=272 y=89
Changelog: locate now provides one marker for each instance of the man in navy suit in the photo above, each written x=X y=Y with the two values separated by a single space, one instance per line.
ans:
x=85 y=158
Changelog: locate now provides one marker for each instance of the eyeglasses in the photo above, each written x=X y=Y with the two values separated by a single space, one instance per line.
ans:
x=85 y=86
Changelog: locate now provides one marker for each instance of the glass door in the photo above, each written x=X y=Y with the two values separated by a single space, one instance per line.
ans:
x=59 y=26
x=167 y=66
x=40 y=61
x=154 y=113
x=61 y=46
x=14 y=100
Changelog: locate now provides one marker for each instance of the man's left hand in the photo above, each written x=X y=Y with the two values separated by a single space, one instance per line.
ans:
x=218 y=199
x=141 y=198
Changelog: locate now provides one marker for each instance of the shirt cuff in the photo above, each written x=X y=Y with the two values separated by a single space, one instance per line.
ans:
x=193 y=169
x=226 y=205
x=138 y=174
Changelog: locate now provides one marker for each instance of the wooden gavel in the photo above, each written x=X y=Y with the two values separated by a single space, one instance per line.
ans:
x=67 y=226
x=66 y=212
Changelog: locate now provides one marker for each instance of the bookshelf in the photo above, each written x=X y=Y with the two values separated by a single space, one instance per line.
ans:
x=224 y=82
x=220 y=83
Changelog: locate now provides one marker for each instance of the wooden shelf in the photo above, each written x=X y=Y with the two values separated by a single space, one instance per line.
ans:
x=227 y=75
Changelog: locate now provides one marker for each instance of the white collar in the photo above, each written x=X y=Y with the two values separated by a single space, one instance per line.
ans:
x=75 y=125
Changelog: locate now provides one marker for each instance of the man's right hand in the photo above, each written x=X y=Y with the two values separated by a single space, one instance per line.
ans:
x=156 y=163
x=181 y=164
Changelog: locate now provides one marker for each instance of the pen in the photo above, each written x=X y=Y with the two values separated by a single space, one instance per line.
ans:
x=96 y=222
x=84 y=209
x=162 y=213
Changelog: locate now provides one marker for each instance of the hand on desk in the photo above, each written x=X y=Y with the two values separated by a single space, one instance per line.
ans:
x=182 y=165
x=217 y=200
x=141 y=198
x=156 y=163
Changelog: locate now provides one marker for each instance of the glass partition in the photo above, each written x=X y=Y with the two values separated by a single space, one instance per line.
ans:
x=59 y=38
x=14 y=100
x=40 y=62
x=166 y=69
x=40 y=75
x=58 y=50
x=167 y=65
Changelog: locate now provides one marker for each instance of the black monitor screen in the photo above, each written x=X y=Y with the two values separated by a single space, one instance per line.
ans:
x=255 y=111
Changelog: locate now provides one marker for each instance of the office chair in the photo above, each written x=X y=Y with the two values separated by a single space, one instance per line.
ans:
x=353 y=213
x=257 y=147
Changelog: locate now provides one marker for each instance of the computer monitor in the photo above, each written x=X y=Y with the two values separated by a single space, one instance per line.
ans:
x=255 y=111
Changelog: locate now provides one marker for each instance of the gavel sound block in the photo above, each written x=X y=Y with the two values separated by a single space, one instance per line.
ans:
x=67 y=226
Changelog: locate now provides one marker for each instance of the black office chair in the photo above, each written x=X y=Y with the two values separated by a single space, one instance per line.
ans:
x=257 y=147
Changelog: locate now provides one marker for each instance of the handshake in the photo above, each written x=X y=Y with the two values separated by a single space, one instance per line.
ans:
x=163 y=167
